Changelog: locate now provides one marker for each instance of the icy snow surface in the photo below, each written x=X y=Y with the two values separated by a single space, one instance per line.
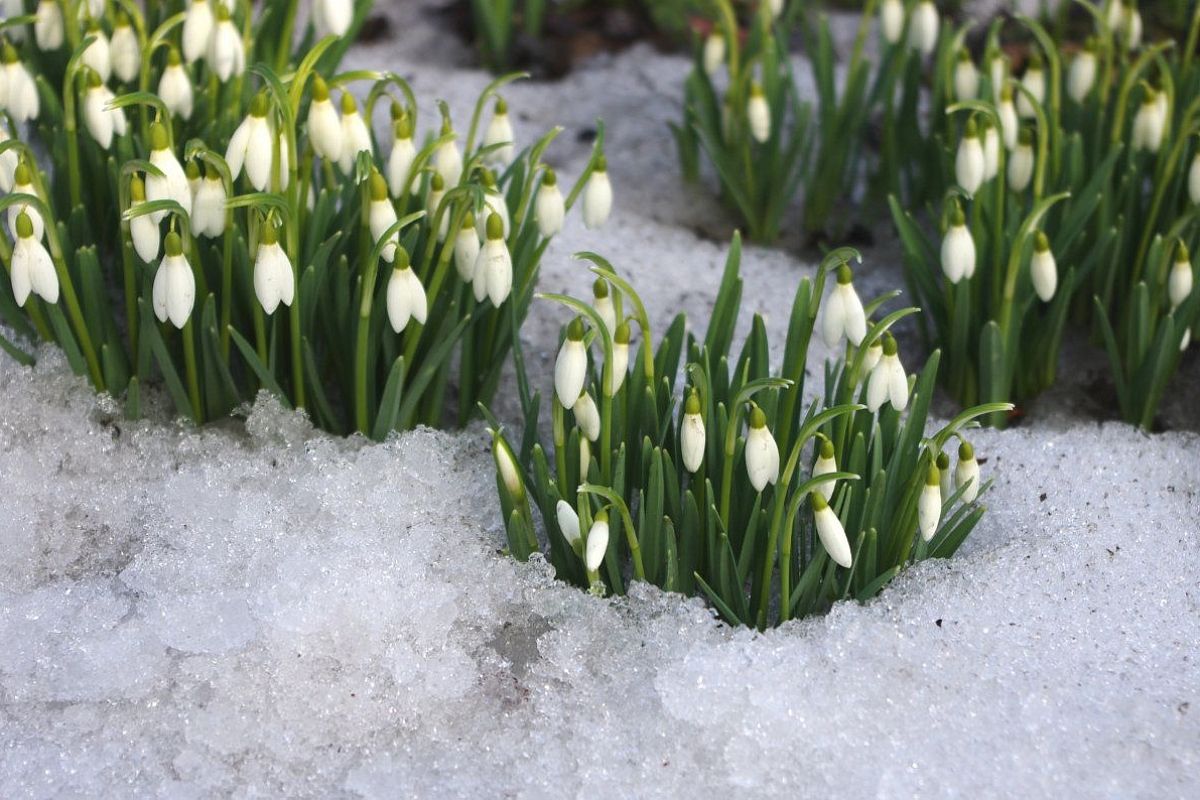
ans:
x=261 y=610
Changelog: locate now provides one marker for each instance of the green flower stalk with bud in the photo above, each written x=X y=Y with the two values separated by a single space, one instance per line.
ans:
x=735 y=485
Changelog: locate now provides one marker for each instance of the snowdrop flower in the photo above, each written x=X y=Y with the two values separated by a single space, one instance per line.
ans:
x=762 y=454
x=101 y=121
x=400 y=160
x=382 y=215
x=437 y=190
x=274 y=282
x=568 y=523
x=500 y=132
x=48 y=25
x=31 y=268
x=692 y=434
x=175 y=87
x=759 y=114
x=197 y=30
x=493 y=267
x=570 y=368
x=825 y=465
x=1020 y=163
x=8 y=160
x=1193 y=179
x=1115 y=14
x=873 y=354
x=1082 y=75
x=1150 y=123
x=549 y=210
x=929 y=505
x=603 y=303
x=1033 y=80
x=250 y=145
x=1042 y=269
x=620 y=360
x=997 y=64
x=1009 y=126
x=324 y=124
x=714 y=52
x=208 y=206
x=23 y=184
x=969 y=164
x=143 y=229
x=126 y=52
x=888 y=383
x=1131 y=27
x=1179 y=286
x=597 y=542
x=355 y=136
x=98 y=54
x=405 y=295
x=776 y=8
x=587 y=416
x=18 y=92
x=597 y=196
x=843 y=312
x=966 y=473
x=466 y=248
x=891 y=20
x=447 y=159
x=332 y=16
x=226 y=51
x=174 y=291
x=991 y=150
x=830 y=531
x=493 y=205
x=923 y=27
x=958 y=248
x=506 y=467
x=947 y=482
x=966 y=77
x=172 y=183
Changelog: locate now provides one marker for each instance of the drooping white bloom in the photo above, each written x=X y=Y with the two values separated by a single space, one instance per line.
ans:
x=324 y=124
x=437 y=191
x=197 y=30
x=597 y=196
x=466 y=248
x=958 y=249
x=400 y=160
x=142 y=228
x=888 y=383
x=98 y=54
x=966 y=77
x=101 y=121
x=587 y=416
x=762 y=453
x=250 y=146
x=603 y=303
x=1179 y=285
x=1082 y=75
x=48 y=25
x=991 y=152
x=208 y=206
x=549 y=210
x=1115 y=14
x=891 y=20
x=493 y=267
x=758 y=113
x=830 y=531
x=356 y=138
x=226 y=51
x=494 y=205
x=500 y=132
x=1131 y=28
x=8 y=161
x=405 y=295
x=570 y=368
x=966 y=473
x=31 y=268
x=332 y=16
x=843 y=313
x=620 y=360
x=692 y=435
x=274 y=281
x=175 y=87
x=506 y=468
x=929 y=505
x=825 y=465
x=568 y=523
x=1042 y=269
x=947 y=483
x=23 y=184
x=1020 y=163
x=997 y=72
x=447 y=159
x=381 y=216
x=923 y=27
x=1150 y=123
x=126 y=51
x=714 y=52
x=1034 y=80
x=18 y=92
x=969 y=164
x=1194 y=180
x=597 y=542
x=174 y=291
x=1009 y=125
x=172 y=184
x=872 y=356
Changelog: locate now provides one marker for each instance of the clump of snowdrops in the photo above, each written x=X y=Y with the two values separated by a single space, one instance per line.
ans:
x=735 y=485
x=193 y=201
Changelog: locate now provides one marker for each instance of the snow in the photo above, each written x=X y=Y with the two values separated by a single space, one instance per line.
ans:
x=261 y=610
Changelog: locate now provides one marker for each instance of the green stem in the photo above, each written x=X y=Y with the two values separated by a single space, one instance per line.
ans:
x=193 y=378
